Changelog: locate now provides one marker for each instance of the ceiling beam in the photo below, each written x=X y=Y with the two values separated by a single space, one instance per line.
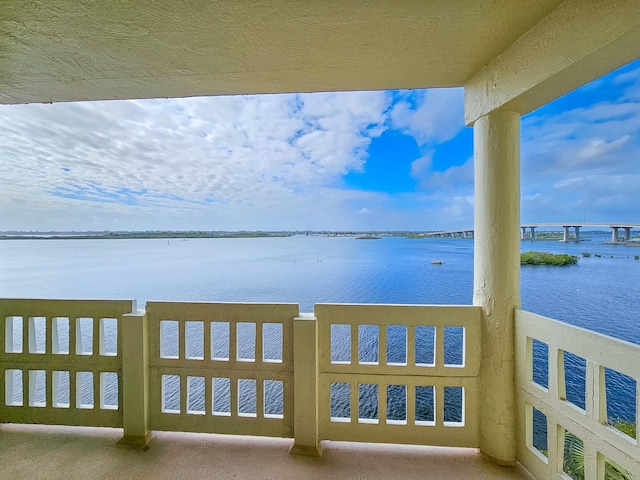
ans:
x=578 y=42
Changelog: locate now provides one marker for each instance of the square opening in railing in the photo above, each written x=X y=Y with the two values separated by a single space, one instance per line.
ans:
x=108 y=390
x=425 y=406
x=340 y=402
x=397 y=345
x=454 y=406
x=340 y=343
x=572 y=455
x=539 y=363
x=573 y=386
x=368 y=344
x=37 y=334
x=13 y=387
x=60 y=335
x=368 y=403
x=613 y=471
x=84 y=336
x=454 y=343
x=170 y=394
x=247 y=393
x=169 y=340
x=620 y=390
x=537 y=439
x=425 y=345
x=396 y=405
x=37 y=388
x=195 y=395
x=60 y=389
x=272 y=340
x=194 y=340
x=220 y=341
x=221 y=397
x=13 y=334
x=273 y=399
x=108 y=337
x=246 y=341
x=84 y=390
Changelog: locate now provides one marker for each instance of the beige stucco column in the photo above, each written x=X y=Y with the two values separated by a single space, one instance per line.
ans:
x=496 y=138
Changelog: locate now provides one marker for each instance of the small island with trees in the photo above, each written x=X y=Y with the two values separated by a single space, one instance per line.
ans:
x=545 y=258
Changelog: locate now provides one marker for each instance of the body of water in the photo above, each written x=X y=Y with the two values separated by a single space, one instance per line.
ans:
x=599 y=293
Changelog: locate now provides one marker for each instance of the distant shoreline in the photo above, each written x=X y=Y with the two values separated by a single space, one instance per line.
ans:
x=146 y=235
x=107 y=235
x=187 y=234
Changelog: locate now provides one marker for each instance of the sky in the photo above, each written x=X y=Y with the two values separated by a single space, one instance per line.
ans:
x=389 y=160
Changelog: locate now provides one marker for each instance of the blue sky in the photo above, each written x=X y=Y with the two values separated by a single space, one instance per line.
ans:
x=395 y=160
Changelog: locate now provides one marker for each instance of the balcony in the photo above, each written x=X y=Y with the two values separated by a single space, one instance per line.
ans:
x=266 y=374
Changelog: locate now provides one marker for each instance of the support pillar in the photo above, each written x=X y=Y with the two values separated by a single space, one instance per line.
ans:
x=497 y=275
x=627 y=234
x=524 y=232
x=614 y=234
x=577 y=230
x=533 y=234
x=565 y=238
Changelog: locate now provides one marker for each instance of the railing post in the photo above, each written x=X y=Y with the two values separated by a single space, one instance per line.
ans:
x=135 y=379
x=305 y=389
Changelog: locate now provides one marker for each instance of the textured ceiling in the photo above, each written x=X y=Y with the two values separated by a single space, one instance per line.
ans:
x=65 y=50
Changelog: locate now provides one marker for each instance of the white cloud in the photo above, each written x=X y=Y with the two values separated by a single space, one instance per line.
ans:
x=199 y=157
x=597 y=148
x=598 y=198
x=591 y=139
x=583 y=162
x=630 y=81
x=437 y=117
x=460 y=209
x=422 y=166
x=278 y=161
x=457 y=177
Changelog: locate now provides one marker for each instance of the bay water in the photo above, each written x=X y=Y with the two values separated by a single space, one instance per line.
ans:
x=601 y=293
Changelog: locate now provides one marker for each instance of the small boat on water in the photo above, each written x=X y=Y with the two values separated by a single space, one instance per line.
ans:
x=437 y=262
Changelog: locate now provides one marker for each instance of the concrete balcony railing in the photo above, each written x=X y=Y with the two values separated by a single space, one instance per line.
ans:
x=49 y=345
x=606 y=450
x=206 y=367
x=363 y=373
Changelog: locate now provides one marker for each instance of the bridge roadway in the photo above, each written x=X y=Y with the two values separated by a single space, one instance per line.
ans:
x=615 y=230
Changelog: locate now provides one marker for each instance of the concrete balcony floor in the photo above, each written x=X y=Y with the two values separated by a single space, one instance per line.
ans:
x=39 y=452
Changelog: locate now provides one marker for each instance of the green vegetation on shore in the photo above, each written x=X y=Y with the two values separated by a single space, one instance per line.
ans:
x=545 y=258
x=573 y=461
x=542 y=235
x=628 y=428
x=573 y=455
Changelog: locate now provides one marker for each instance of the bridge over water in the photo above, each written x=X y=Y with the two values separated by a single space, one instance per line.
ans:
x=615 y=231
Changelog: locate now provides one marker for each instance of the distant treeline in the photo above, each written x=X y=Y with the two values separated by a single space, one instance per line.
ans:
x=153 y=234
x=15 y=235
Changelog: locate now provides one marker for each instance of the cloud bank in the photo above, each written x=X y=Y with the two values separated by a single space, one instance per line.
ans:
x=279 y=162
